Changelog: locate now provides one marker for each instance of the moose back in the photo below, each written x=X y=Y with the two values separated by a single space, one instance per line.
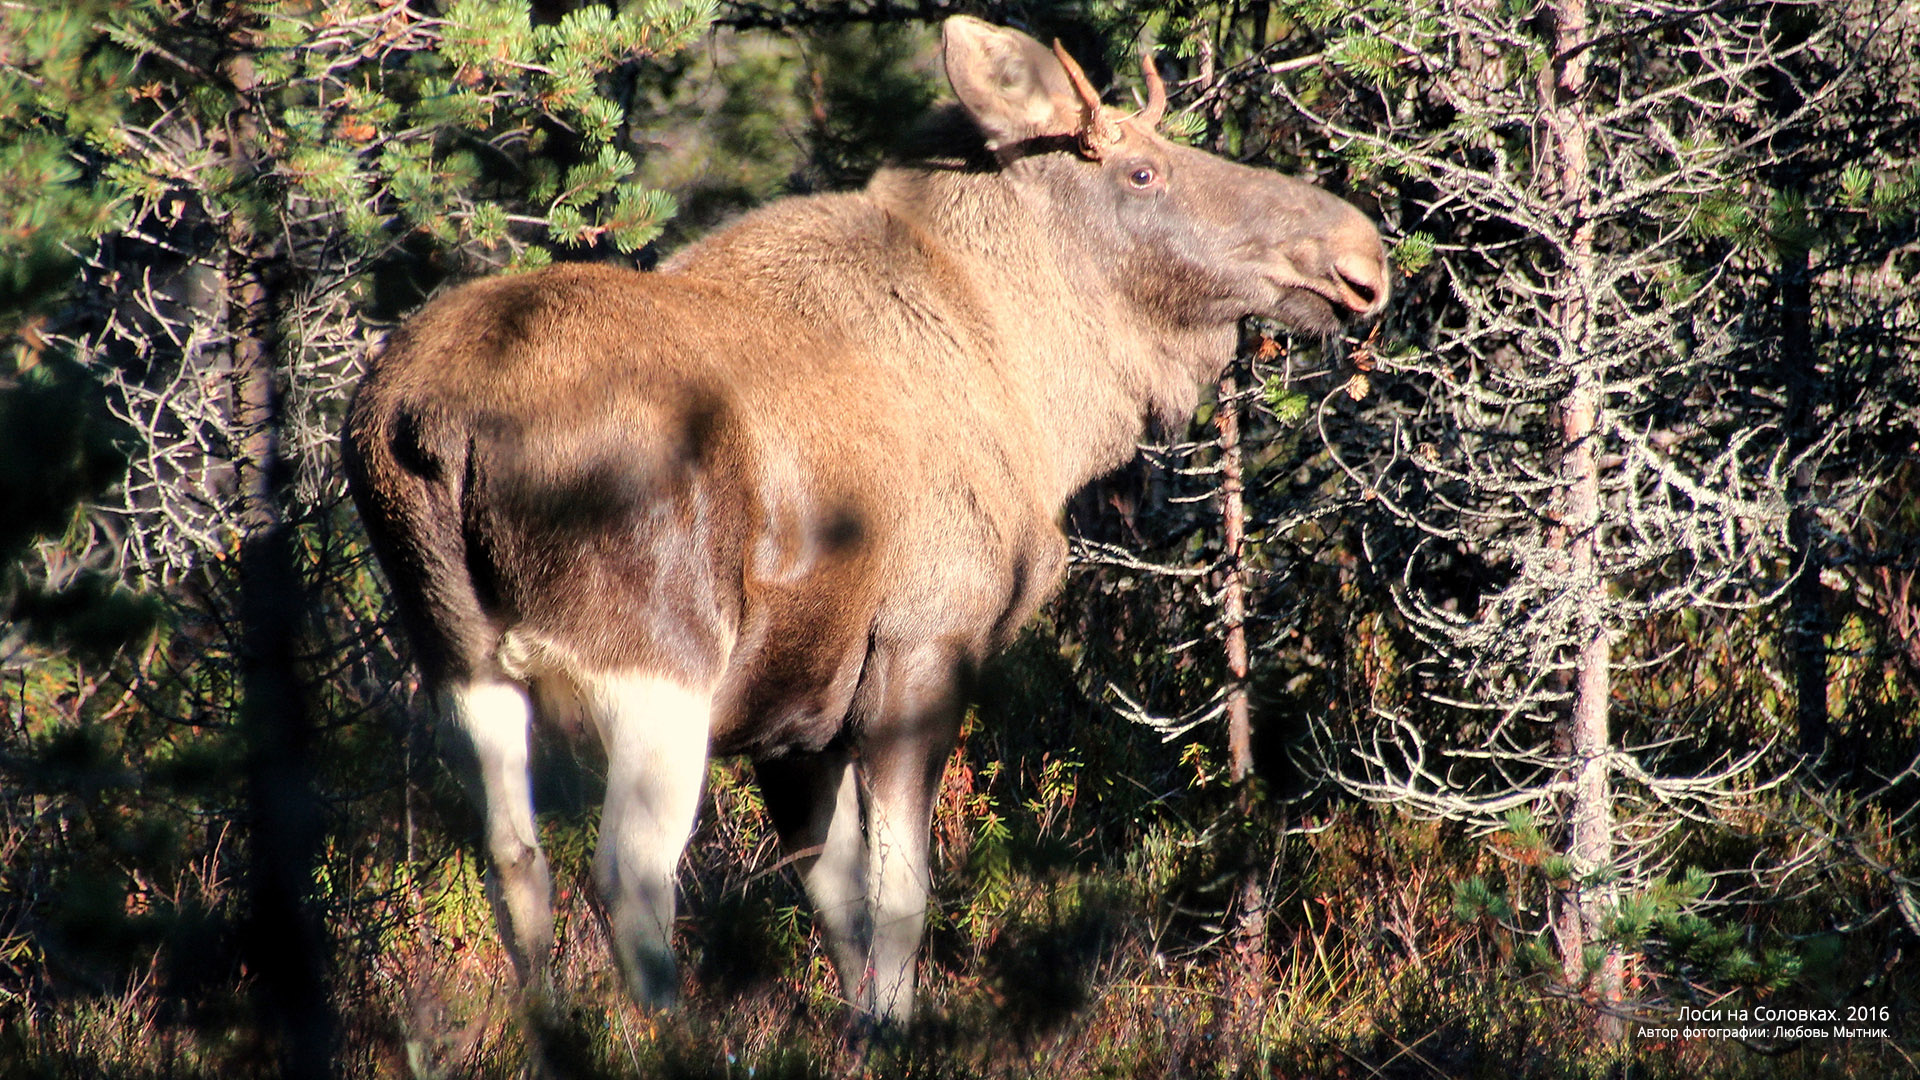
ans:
x=782 y=497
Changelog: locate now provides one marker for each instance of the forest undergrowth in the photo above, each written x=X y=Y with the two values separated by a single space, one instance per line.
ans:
x=1082 y=880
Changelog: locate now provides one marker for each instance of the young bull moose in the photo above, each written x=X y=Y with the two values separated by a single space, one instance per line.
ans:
x=782 y=497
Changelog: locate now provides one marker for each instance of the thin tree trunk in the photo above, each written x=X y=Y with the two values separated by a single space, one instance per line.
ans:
x=1806 y=624
x=1250 y=919
x=1806 y=631
x=1581 y=903
x=285 y=945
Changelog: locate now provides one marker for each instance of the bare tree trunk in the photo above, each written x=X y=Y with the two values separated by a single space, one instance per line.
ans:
x=1807 y=624
x=284 y=941
x=1250 y=918
x=1806 y=637
x=1585 y=736
x=1233 y=597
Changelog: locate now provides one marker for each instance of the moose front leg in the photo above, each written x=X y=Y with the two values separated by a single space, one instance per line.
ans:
x=814 y=800
x=901 y=757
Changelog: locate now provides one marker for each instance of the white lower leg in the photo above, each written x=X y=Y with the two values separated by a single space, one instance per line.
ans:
x=496 y=718
x=897 y=880
x=836 y=884
x=655 y=732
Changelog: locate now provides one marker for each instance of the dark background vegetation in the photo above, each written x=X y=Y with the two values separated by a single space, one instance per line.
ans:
x=1637 y=441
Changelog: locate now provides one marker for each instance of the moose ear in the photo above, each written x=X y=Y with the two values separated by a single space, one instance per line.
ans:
x=1011 y=84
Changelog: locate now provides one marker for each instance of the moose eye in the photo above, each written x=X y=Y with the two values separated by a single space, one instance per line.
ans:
x=1142 y=176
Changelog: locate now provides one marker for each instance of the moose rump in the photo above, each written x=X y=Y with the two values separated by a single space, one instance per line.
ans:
x=784 y=496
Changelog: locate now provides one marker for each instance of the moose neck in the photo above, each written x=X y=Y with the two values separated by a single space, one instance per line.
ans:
x=1094 y=366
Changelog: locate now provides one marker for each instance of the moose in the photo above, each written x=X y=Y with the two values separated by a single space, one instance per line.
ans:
x=783 y=496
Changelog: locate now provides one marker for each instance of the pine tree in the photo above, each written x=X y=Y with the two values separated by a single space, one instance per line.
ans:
x=60 y=97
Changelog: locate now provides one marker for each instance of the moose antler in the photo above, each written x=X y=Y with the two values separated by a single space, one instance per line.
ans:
x=1098 y=130
x=1156 y=107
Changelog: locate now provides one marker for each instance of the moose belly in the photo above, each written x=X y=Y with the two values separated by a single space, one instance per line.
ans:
x=790 y=681
x=807 y=660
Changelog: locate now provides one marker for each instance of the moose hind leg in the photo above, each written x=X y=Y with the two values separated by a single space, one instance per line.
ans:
x=495 y=717
x=655 y=731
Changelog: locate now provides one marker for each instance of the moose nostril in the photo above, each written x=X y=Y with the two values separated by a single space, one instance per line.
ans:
x=1364 y=277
